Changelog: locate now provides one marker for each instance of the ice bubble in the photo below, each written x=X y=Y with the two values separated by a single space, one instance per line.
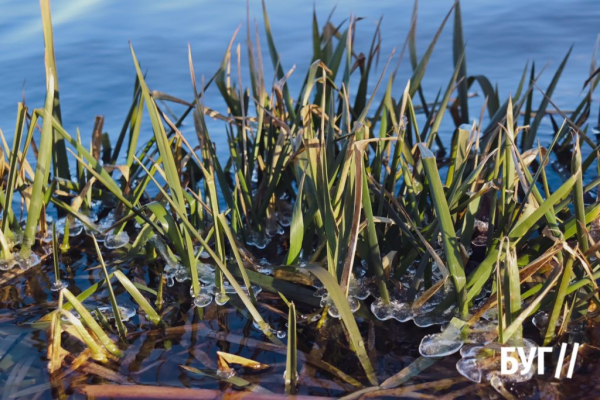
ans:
x=264 y=267
x=221 y=298
x=273 y=229
x=26 y=263
x=281 y=334
x=402 y=312
x=354 y=304
x=470 y=369
x=284 y=217
x=491 y=314
x=75 y=226
x=181 y=274
x=360 y=288
x=482 y=226
x=113 y=242
x=333 y=311
x=8 y=263
x=203 y=300
x=483 y=332
x=435 y=345
x=226 y=373
x=286 y=379
x=481 y=363
x=470 y=351
x=541 y=320
x=206 y=273
x=126 y=313
x=430 y=319
x=258 y=240
x=58 y=286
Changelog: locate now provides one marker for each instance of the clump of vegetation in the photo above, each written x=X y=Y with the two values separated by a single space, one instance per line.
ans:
x=338 y=210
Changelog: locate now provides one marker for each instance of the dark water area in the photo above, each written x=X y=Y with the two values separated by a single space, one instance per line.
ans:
x=96 y=75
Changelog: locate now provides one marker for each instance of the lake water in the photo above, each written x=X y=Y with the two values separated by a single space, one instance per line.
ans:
x=96 y=70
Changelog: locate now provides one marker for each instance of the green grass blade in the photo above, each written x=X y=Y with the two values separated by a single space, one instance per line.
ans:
x=526 y=222
x=139 y=298
x=7 y=213
x=171 y=171
x=291 y=362
x=92 y=324
x=42 y=171
x=59 y=154
x=417 y=77
x=347 y=317
x=111 y=294
x=98 y=353
x=541 y=111
x=458 y=52
x=451 y=246
x=296 y=227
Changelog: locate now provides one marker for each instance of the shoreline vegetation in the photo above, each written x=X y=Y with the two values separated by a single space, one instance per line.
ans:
x=337 y=220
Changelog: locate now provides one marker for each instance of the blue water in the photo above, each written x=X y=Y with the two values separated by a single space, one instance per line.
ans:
x=96 y=71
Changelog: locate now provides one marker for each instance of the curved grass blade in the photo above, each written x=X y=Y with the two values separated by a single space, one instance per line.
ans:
x=138 y=297
x=98 y=352
x=347 y=317
x=91 y=323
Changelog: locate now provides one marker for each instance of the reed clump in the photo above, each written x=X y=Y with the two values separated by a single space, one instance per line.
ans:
x=344 y=200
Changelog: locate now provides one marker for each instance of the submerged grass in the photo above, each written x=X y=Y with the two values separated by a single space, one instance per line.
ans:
x=356 y=207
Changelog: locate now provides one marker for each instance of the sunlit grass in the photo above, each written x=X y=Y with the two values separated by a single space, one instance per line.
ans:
x=339 y=189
